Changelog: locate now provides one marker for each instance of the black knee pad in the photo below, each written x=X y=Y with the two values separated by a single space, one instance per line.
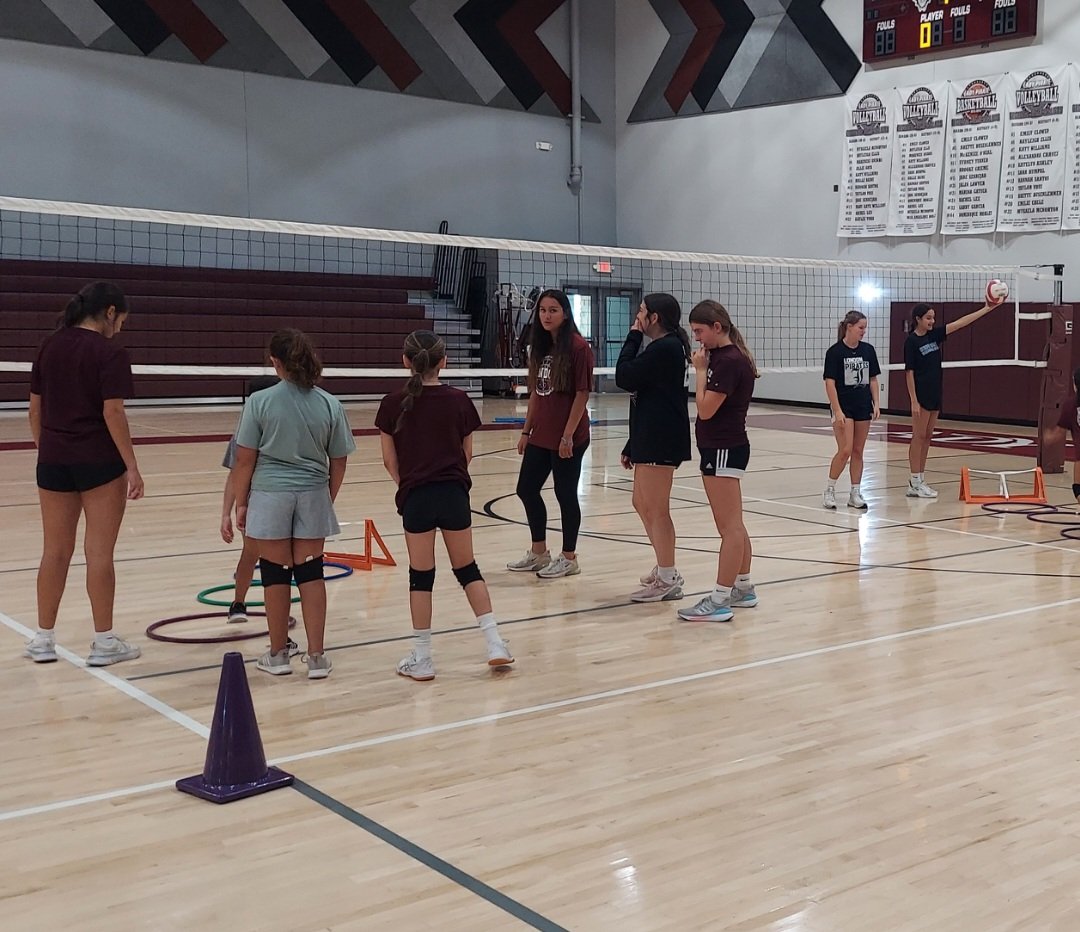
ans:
x=274 y=574
x=421 y=580
x=468 y=574
x=309 y=570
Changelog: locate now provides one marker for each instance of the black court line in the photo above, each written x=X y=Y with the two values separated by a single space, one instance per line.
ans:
x=412 y=850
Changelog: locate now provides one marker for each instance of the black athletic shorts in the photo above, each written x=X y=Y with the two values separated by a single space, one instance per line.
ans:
x=77 y=477
x=858 y=411
x=443 y=505
x=730 y=464
x=928 y=401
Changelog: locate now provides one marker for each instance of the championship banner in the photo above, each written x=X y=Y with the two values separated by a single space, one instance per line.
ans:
x=918 y=159
x=1071 y=218
x=976 y=128
x=864 y=185
x=1033 y=158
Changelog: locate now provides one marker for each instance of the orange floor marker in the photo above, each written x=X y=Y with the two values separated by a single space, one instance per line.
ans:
x=367 y=559
x=1037 y=496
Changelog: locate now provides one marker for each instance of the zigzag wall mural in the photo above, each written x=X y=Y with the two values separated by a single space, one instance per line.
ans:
x=733 y=54
x=486 y=52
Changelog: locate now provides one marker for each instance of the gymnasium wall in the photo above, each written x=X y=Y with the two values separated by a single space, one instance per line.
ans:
x=760 y=181
x=101 y=119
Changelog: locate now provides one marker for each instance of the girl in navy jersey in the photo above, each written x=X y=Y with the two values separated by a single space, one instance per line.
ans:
x=659 y=440
x=725 y=371
x=851 y=385
x=922 y=365
x=556 y=432
x=86 y=463
x=426 y=435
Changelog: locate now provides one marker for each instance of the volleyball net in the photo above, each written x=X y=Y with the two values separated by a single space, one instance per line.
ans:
x=209 y=290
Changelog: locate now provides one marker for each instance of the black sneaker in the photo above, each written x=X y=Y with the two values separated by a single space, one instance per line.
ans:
x=237 y=613
x=292 y=647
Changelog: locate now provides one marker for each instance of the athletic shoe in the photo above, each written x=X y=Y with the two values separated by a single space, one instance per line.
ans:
x=828 y=498
x=654 y=574
x=41 y=648
x=558 y=568
x=318 y=666
x=660 y=591
x=708 y=610
x=530 y=563
x=855 y=500
x=292 y=647
x=743 y=598
x=116 y=652
x=275 y=664
x=498 y=655
x=416 y=669
x=920 y=490
x=237 y=613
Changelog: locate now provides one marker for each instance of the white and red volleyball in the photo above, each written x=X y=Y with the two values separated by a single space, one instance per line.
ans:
x=996 y=291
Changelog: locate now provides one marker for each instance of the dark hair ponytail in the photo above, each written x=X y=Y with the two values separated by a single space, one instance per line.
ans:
x=92 y=302
x=669 y=314
x=919 y=310
x=297 y=355
x=425 y=350
x=850 y=319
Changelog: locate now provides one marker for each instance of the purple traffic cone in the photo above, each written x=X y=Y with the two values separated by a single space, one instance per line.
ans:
x=235 y=763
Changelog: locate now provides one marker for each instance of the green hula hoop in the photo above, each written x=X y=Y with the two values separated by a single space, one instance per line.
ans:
x=204 y=596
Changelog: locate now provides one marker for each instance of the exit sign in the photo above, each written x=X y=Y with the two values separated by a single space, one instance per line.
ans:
x=603 y=267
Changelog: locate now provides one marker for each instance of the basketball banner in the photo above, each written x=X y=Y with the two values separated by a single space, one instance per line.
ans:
x=1071 y=218
x=918 y=159
x=976 y=128
x=1033 y=157
x=864 y=185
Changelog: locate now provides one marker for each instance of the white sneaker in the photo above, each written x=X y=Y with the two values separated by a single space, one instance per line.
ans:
x=559 y=567
x=659 y=591
x=318 y=666
x=855 y=500
x=920 y=490
x=530 y=563
x=647 y=580
x=743 y=598
x=416 y=669
x=117 y=651
x=41 y=648
x=708 y=610
x=498 y=655
x=275 y=664
x=828 y=498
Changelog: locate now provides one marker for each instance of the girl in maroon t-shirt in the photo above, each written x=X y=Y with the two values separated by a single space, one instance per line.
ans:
x=725 y=372
x=426 y=435
x=556 y=432
x=86 y=462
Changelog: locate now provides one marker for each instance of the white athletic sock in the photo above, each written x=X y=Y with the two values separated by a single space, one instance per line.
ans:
x=489 y=628
x=667 y=574
x=742 y=581
x=104 y=639
x=855 y=489
x=720 y=594
x=47 y=633
x=916 y=478
x=423 y=644
x=831 y=484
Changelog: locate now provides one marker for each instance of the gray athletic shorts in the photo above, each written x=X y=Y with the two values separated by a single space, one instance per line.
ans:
x=282 y=515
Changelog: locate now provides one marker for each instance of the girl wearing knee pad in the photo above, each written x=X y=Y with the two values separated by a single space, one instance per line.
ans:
x=556 y=432
x=851 y=385
x=659 y=439
x=292 y=445
x=426 y=436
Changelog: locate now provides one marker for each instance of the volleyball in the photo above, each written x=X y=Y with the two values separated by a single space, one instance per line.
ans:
x=996 y=291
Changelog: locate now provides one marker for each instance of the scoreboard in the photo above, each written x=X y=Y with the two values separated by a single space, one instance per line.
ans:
x=906 y=28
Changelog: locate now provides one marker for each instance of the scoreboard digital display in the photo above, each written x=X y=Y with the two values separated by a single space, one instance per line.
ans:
x=906 y=28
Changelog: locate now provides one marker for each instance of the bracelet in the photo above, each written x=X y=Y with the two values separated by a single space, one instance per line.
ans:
x=526 y=433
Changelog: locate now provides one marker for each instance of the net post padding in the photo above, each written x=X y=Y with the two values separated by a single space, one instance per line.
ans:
x=1055 y=389
x=1037 y=497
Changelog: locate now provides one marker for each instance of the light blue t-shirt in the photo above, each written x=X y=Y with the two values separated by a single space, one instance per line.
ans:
x=296 y=433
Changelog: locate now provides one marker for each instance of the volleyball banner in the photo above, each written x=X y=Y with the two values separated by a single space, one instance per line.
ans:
x=1071 y=212
x=864 y=184
x=918 y=159
x=1033 y=158
x=976 y=128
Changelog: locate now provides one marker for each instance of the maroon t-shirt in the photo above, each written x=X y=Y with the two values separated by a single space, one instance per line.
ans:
x=1070 y=420
x=551 y=409
x=731 y=374
x=75 y=372
x=429 y=444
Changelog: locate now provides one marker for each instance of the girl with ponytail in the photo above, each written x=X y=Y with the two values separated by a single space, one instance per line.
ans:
x=659 y=439
x=725 y=371
x=86 y=462
x=426 y=435
x=291 y=450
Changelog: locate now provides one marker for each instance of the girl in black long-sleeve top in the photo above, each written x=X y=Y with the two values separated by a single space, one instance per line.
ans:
x=659 y=431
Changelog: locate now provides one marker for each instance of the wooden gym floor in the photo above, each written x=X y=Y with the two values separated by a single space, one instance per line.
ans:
x=888 y=741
